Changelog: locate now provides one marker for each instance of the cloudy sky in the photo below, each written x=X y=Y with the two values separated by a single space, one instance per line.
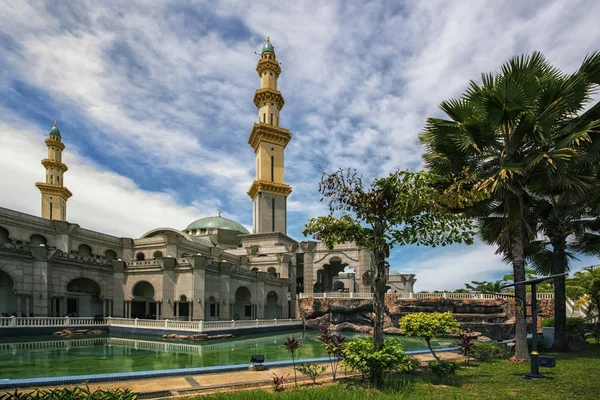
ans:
x=154 y=100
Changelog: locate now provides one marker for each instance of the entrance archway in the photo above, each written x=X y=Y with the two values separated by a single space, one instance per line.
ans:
x=8 y=298
x=325 y=276
x=242 y=308
x=143 y=304
x=272 y=306
x=83 y=298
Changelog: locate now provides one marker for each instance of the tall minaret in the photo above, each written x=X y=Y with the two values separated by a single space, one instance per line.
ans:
x=54 y=194
x=268 y=192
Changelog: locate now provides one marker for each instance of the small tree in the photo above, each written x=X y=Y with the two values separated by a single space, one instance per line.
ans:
x=312 y=370
x=429 y=326
x=292 y=344
x=466 y=341
x=334 y=344
x=400 y=209
x=360 y=355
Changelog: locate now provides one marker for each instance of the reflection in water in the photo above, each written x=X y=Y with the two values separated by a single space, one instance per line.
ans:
x=49 y=356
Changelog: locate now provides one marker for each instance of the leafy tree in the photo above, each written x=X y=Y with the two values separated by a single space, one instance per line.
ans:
x=516 y=135
x=487 y=287
x=429 y=326
x=292 y=344
x=585 y=286
x=402 y=208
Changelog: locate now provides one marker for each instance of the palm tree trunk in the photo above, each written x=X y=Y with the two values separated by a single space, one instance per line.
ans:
x=560 y=295
x=518 y=262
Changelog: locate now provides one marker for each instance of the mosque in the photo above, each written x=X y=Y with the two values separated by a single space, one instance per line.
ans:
x=213 y=269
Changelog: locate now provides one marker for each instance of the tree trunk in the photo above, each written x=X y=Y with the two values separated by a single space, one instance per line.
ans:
x=560 y=295
x=518 y=262
x=379 y=284
x=428 y=340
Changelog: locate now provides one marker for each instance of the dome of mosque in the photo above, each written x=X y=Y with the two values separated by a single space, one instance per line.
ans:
x=217 y=222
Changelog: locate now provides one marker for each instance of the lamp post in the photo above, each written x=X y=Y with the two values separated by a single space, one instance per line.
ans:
x=535 y=365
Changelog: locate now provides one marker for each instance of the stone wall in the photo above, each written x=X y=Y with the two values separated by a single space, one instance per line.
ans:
x=491 y=317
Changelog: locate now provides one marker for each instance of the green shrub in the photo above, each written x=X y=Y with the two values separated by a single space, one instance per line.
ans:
x=360 y=355
x=429 y=325
x=542 y=343
x=488 y=351
x=575 y=325
x=311 y=369
x=548 y=322
x=73 y=393
x=444 y=369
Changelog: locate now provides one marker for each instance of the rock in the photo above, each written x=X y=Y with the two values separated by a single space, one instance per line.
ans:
x=346 y=326
x=484 y=339
x=223 y=336
x=96 y=332
x=199 y=337
x=393 y=331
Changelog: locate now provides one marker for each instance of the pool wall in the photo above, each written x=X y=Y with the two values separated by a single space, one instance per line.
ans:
x=44 y=330
x=48 y=330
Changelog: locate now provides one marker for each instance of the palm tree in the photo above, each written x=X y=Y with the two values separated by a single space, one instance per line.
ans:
x=502 y=135
x=487 y=287
x=585 y=285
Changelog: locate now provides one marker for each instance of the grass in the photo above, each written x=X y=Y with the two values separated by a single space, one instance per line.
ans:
x=574 y=377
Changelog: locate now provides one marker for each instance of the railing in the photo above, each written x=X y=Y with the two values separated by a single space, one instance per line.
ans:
x=201 y=326
x=25 y=322
x=338 y=295
x=445 y=295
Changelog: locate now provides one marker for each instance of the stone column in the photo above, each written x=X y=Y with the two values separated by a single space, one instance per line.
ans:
x=224 y=291
x=104 y=307
x=158 y=309
x=310 y=277
x=119 y=294
x=63 y=306
x=41 y=255
x=175 y=309
x=19 y=306
x=27 y=307
x=260 y=294
x=199 y=264
x=168 y=285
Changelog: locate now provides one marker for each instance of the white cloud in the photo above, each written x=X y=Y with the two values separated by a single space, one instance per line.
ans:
x=168 y=93
x=102 y=200
x=451 y=268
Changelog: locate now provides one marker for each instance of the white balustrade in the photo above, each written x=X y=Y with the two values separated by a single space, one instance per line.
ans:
x=445 y=295
x=26 y=322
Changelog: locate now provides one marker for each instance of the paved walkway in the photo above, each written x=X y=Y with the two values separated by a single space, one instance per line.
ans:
x=191 y=385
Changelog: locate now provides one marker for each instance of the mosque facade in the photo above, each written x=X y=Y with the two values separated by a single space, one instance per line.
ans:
x=214 y=269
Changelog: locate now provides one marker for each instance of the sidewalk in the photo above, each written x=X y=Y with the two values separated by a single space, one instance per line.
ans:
x=168 y=387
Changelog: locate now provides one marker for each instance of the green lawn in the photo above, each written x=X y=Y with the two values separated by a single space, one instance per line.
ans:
x=576 y=376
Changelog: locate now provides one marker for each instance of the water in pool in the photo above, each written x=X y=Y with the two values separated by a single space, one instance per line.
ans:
x=44 y=356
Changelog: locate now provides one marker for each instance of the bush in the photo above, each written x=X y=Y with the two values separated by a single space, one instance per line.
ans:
x=311 y=369
x=466 y=341
x=575 y=325
x=542 y=343
x=429 y=325
x=488 y=351
x=444 y=369
x=73 y=393
x=360 y=355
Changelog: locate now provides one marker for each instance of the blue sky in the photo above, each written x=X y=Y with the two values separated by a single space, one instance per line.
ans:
x=154 y=100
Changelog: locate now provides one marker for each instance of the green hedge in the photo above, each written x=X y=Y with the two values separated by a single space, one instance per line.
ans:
x=71 y=393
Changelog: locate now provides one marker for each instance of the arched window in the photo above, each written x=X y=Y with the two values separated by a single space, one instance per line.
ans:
x=110 y=255
x=272 y=271
x=84 y=250
x=143 y=289
x=140 y=256
x=36 y=240
x=254 y=269
x=4 y=235
x=157 y=254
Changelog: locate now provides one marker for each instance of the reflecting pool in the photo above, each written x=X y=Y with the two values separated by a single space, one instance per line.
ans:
x=44 y=356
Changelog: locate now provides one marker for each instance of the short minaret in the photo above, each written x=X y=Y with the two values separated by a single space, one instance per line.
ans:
x=268 y=139
x=54 y=194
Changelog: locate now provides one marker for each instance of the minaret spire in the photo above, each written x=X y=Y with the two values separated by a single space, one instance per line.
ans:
x=268 y=191
x=54 y=194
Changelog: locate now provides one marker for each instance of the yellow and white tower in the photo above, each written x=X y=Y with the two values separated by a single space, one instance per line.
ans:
x=54 y=194
x=268 y=139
